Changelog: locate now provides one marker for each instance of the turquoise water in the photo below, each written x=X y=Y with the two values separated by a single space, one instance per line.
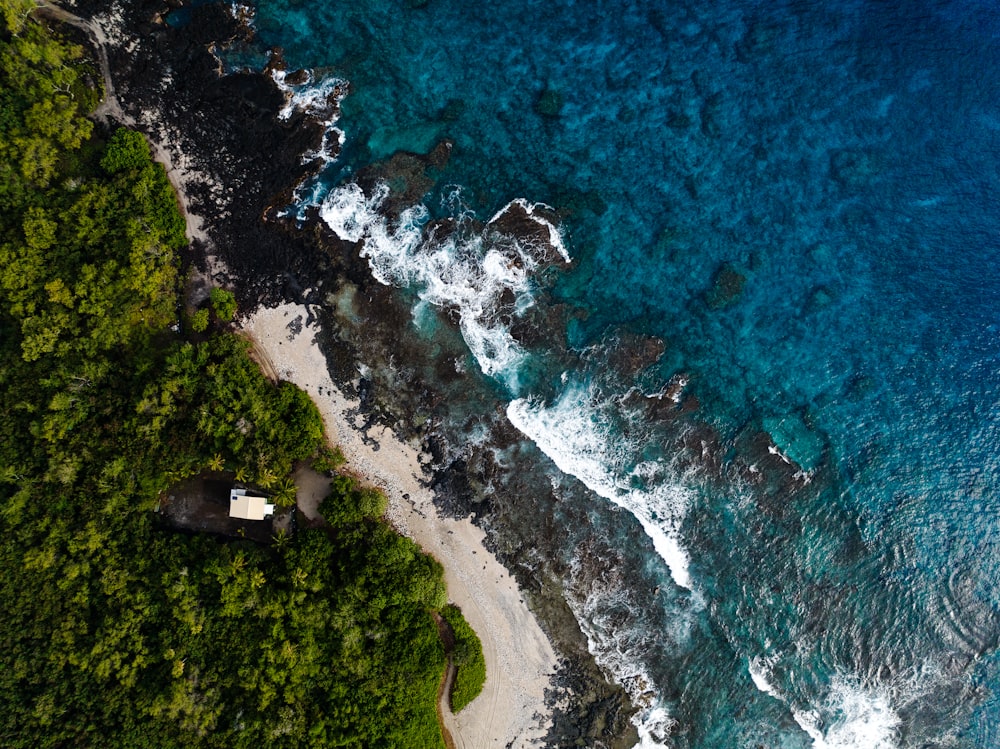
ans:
x=800 y=201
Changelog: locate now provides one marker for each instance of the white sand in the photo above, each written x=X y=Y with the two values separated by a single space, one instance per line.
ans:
x=519 y=658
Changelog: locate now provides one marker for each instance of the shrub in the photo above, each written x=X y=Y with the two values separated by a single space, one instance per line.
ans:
x=199 y=321
x=224 y=303
x=328 y=459
x=470 y=674
x=349 y=503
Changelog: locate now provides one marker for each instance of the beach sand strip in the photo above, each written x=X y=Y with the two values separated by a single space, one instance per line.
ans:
x=520 y=661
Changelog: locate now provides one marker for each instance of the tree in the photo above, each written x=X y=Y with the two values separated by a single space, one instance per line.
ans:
x=285 y=495
x=116 y=629
x=199 y=321
x=127 y=150
x=15 y=14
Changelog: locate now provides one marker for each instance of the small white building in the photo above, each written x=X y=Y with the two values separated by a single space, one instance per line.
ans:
x=247 y=506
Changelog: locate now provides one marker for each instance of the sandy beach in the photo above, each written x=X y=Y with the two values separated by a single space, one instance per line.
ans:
x=520 y=661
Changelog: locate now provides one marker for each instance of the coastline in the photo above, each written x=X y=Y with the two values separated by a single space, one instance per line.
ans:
x=209 y=129
x=520 y=660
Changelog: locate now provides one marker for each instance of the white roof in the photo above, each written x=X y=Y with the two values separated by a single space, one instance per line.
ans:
x=242 y=505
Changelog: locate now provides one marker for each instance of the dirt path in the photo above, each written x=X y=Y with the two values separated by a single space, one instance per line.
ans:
x=445 y=717
x=111 y=111
x=109 y=108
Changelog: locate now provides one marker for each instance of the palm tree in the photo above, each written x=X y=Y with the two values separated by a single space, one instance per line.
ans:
x=285 y=496
x=257 y=579
x=237 y=563
x=266 y=478
x=216 y=463
x=280 y=538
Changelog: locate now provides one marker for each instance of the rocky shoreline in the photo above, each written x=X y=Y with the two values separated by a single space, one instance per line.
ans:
x=217 y=127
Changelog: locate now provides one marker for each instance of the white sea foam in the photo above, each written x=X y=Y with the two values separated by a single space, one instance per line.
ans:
x=574 y=433
x=760 y=670
x=311 y=97
x=315 y=98
x=583 y=431
x=653 y=726
x=619 y=647
x=243 y=12
x=849 y=717
x=554 y=236
x=467 y=271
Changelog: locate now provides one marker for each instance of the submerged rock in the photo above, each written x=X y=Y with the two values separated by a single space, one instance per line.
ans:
x=451 y=111
x=549 y=103
x=711 y=116
x=727 y=287
x=852 y=168
x=819 y=298
x=679 y=120
x=760 y=38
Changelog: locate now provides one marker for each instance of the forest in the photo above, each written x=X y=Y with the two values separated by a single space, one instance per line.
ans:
x=119 y=631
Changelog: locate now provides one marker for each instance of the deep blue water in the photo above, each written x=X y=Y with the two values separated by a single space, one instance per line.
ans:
x=843 y=159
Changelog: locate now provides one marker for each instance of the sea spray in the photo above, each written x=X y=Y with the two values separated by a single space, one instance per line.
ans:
x=469 y=271
x=621 y=644
x=751 y=134
x=318 y=99
x=314 y=98
x=850 y=717
x=592 y=436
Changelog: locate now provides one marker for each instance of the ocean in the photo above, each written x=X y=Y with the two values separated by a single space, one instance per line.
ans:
x=728 y=273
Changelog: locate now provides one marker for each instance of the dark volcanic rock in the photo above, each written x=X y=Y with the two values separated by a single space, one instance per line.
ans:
x=169 y=81
x=410 y=176
x=630 y=353
x=245 y=163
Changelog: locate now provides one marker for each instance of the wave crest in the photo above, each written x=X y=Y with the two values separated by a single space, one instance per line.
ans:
x=578 y=432
x=849 y=717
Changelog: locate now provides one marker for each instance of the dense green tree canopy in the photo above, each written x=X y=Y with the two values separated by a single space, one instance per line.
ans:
x=118 y=631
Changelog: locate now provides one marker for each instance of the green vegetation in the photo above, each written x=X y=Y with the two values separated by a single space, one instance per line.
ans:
x=328 y=459
x=224 y=303
x=468 y=659
x=350 y=503
x=117 y=631
x=199 y=321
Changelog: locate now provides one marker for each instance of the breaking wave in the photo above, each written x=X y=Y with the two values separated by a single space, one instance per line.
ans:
x=849 y=717
x=474 y=272
x=319 y=99
x=577 y=432
x=583 y=432
x=621 y=641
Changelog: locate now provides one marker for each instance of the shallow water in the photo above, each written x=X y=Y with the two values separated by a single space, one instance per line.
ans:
x=799 y=200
